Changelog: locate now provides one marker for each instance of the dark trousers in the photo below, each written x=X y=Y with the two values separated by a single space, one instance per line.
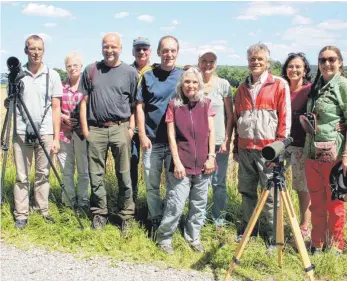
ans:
x=135 y=158
x=99 y=140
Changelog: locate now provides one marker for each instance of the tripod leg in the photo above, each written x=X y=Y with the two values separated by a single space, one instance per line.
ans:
x=241 y=246
x=5 y=139
x=280 y=232
x=308 y=267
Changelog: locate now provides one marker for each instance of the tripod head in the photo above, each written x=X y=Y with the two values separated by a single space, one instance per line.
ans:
x=15 y=68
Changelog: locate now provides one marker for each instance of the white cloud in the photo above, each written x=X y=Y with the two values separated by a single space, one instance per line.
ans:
x=309 y=36
x=42 y=10
x=168 y=28
x=50 y=24
x=146 y=18
x=234 y=56
x=280 y=51
x=175 y=22
x=102 y=34
x=252 y=34
x=262 y=9
x=121 y=15
x=45 y=37
x=298 y=19
x=219 y=42
x=333 y=24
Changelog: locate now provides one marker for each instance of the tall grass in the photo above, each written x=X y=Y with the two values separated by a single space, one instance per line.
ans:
x=135 y=246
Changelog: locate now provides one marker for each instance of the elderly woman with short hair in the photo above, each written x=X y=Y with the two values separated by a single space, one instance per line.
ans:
x=73 y=146
x=192 y=144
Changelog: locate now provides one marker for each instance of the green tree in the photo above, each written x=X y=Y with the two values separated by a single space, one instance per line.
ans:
x=275 y=67
x=233 y=74
x=63 y=74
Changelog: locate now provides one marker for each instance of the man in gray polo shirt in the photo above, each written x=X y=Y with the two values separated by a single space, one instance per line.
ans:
x=41 y=94
x=107 y=120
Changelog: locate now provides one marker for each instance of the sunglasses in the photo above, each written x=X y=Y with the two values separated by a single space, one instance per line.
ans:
x=141 y=48
x=329 y=59
x=297 y=54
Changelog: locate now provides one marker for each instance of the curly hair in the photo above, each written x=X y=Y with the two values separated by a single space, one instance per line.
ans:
x=307 y=67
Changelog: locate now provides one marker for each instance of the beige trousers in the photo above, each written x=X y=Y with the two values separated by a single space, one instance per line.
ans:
x=23 y=154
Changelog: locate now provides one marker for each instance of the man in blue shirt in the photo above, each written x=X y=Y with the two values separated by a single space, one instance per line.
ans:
x=156 y=87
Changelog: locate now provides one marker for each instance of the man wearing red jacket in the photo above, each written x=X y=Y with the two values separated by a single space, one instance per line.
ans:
x=263 y=114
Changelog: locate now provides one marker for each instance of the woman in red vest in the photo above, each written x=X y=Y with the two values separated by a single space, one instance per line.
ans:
x=192 y=144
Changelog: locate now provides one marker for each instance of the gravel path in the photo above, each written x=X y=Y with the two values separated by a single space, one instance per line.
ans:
x=35 y=264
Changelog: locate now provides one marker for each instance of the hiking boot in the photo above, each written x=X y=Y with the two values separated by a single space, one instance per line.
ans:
x=154 y=228
x=48 y=219
x=20 y=224
x=125 y=227
x=99 y=221
x=198 y=248
x=167 y=248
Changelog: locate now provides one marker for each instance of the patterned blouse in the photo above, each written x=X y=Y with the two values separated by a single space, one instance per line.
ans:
x=69 y=102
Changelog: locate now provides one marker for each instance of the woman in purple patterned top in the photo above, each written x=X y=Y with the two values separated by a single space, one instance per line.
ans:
x=73 y=146
x=296 y=70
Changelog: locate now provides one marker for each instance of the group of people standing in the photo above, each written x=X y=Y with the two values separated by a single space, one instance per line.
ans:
x=182 y=119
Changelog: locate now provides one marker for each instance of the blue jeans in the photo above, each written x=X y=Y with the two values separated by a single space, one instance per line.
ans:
x=179 y=190
x=153 y=159
x=219 y=188
x=134 y=162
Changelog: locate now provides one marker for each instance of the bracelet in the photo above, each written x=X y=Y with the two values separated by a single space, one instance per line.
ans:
x=212 y=155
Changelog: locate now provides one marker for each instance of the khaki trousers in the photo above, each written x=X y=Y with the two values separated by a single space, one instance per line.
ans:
x=23 y=154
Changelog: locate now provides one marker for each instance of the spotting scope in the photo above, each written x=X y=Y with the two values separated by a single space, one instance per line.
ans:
x=273 y=150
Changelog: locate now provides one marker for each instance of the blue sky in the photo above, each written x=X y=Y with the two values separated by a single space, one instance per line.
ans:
x=227 y=27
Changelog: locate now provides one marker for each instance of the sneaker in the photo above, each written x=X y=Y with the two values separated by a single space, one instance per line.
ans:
x=167 y=248
x=20 y=224
x=48 y=219
x=99 y=221
x=239 y=238
x=315 y=251
x=198 y=248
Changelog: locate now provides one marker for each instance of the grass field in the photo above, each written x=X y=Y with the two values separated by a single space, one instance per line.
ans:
x=136 y=247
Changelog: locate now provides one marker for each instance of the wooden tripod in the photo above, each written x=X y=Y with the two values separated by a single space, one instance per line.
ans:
x=284 y=199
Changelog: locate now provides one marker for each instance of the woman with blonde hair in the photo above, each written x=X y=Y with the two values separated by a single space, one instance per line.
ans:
x=73 y=146
x=220 y=93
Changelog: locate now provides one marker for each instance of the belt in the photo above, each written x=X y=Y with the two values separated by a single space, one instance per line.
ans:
x=108 y=124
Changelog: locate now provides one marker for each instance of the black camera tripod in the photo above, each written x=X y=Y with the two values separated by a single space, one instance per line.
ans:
x=277 y=183
x=15 y=91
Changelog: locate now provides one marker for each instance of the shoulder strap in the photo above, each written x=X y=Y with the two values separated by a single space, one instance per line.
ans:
x=46 y=97
x=91 y=76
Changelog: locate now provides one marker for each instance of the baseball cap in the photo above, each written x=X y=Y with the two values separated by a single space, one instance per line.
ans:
x=207 y=51
x=141 y=41
x=338 y=182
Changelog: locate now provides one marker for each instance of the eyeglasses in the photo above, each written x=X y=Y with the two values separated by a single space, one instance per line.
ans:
x=141 y=48
x=70 y=66
x=329 y=59
x=297 y=54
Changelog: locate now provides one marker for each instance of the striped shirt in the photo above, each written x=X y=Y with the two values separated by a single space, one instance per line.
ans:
x=69 y=102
